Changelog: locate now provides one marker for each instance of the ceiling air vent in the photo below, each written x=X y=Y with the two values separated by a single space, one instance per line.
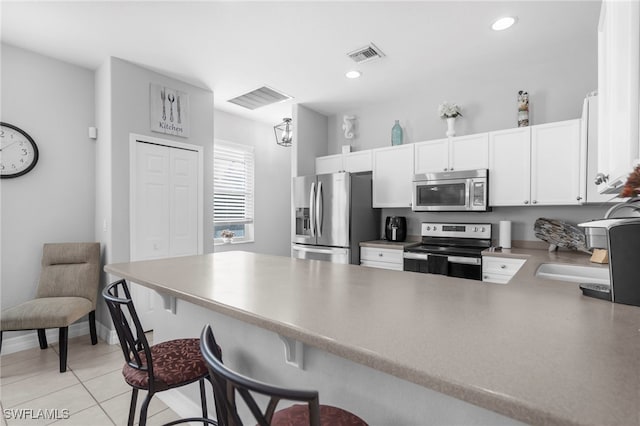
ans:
x=367 y=53
x=260 y=97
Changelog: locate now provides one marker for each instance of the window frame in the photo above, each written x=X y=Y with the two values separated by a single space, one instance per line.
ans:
x=248 y=151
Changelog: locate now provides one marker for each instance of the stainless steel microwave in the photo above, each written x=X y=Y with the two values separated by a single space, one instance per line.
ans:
x=466 y=190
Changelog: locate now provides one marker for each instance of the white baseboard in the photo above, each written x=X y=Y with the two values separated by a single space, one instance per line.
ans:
x=108 y=335
x=183 y=406
x=30 y=339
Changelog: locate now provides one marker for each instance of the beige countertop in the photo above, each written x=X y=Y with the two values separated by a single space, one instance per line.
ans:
x=389 y=244
x=535 y=350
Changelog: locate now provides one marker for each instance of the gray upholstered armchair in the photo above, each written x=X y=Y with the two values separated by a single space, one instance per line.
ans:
x=67 y=291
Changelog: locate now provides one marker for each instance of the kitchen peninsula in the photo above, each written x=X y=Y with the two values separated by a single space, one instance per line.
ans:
x=533 y=350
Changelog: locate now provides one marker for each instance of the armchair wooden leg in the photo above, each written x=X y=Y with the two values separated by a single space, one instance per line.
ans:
x=64 y=333
x=42 y=338
x=92 y=327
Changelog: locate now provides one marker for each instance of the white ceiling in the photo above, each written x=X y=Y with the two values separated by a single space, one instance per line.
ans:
x=300 y=47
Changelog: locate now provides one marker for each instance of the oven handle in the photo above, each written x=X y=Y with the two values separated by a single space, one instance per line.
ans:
x=417 y=256
x=465 y=260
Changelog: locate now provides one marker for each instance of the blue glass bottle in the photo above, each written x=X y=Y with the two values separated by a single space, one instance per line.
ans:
x=396 y=134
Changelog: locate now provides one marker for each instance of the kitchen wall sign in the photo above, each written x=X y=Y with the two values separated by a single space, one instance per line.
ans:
x=168 y=110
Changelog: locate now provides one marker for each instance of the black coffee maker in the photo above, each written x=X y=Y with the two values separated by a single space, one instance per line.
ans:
x=395 y=228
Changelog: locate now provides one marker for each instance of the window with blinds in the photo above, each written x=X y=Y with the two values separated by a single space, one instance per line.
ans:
x=233 y=196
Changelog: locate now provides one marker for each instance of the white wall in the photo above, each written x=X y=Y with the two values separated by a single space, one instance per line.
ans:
x=272 y=183
x=123 y=108
x=309 y=139
x=488 y=101
x=53 y=102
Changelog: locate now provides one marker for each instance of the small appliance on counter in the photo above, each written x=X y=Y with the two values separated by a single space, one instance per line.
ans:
x=622 y=240
x=395 y=228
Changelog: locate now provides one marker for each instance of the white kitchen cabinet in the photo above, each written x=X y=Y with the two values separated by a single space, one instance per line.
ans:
x=382 y=258
x=432 y=156
x=329 y=164
x=457 y=153
x=352 y=162
x=558 y=164
x=618 y=91
x=510 y=167
x=392 y=176
x=500 y=270
x=359 y=161
x=543 y=164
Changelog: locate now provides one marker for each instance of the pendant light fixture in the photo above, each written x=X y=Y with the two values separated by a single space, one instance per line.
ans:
x=284 y=132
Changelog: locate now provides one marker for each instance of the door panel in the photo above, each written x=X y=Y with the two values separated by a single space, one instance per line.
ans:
x=333 y=209
x=164 y=204
x=183 y=201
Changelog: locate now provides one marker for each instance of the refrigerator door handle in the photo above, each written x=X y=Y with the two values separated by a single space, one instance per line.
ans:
x=312 y=208
x=319 y=209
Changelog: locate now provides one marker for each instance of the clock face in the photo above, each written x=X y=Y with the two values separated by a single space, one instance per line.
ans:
x=18 y=152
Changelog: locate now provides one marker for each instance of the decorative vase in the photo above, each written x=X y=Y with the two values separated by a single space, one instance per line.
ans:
x=396 y=134
x=523 y=109
x=451 y=121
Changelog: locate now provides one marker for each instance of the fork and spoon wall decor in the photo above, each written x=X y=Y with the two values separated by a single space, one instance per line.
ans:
x=168 y=110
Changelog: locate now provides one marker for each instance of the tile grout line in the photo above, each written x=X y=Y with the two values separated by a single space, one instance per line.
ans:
x=93 y=397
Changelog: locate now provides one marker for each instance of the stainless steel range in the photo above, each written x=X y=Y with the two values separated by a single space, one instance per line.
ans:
x=452 y=249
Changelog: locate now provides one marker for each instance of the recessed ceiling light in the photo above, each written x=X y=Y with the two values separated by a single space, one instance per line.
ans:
x=353 y=74
x=503 y=23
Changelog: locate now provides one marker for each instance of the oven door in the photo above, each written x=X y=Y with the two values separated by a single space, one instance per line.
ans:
x=468 y=267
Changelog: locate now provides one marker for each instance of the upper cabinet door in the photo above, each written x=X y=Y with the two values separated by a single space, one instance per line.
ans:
x=393 y=176
x=556 y=166
x=359 y=161
x=469 y=152
x=509 y=167
x=329 y=164
x=618 y=91
x=432 y=156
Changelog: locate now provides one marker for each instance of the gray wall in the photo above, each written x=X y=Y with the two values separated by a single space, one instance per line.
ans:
x=488 y=100
x=272 y=183
x=53 y=102
x=123 y=108
x=522 y=218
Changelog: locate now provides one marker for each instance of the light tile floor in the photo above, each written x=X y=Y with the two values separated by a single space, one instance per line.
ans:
x=92 y=389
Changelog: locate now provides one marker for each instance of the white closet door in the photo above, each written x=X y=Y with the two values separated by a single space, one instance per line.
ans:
x=183 y=202
x=152 y=206
x=164 y=205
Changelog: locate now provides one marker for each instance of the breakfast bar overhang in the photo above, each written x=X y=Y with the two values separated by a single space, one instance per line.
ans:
x=414 y=348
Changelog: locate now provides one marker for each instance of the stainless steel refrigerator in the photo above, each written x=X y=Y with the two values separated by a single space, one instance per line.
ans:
x=333 y=214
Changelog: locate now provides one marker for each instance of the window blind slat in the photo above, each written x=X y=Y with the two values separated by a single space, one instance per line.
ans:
x=233 y=177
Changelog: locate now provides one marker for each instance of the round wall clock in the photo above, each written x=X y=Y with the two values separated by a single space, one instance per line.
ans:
x=18 y=151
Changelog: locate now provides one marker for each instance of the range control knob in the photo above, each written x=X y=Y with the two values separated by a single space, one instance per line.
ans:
x=434 y=228
x=428 y=228
x=475 y=229
x=482 y=229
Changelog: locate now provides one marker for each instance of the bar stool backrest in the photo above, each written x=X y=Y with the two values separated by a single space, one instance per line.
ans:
x=132 y=342
x=226 y=383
